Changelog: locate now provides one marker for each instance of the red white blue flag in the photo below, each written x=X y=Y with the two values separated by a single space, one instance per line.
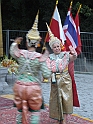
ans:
x=70 y=30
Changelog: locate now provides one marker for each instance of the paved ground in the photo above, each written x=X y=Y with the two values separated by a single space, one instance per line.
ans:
x=84 y=84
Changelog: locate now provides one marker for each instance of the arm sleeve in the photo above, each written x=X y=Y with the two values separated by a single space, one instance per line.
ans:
x=14 y=50
x=46 y=72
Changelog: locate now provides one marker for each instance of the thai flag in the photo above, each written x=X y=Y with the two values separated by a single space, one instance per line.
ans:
x=71 y=39
x=70 y=30
x=56 y=27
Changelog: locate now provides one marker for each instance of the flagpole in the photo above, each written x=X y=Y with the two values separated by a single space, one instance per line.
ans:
x=71 y=4
x=54 y=11
x=49 y=26
x=56 y=2
x=79 y=8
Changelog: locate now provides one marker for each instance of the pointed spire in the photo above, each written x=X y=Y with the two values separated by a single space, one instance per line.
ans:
x=35 y=25
x=51 y=35
x=52 y=39
x=33 y=34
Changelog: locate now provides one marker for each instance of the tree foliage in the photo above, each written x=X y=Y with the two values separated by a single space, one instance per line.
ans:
x=20 y=14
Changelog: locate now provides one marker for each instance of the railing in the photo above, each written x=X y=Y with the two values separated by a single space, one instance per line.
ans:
x=84 y=62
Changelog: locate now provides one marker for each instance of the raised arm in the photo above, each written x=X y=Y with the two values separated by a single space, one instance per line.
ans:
x=14 y=50
x=73 y=53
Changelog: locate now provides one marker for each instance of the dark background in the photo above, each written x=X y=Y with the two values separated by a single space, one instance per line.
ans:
x=20 y=14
